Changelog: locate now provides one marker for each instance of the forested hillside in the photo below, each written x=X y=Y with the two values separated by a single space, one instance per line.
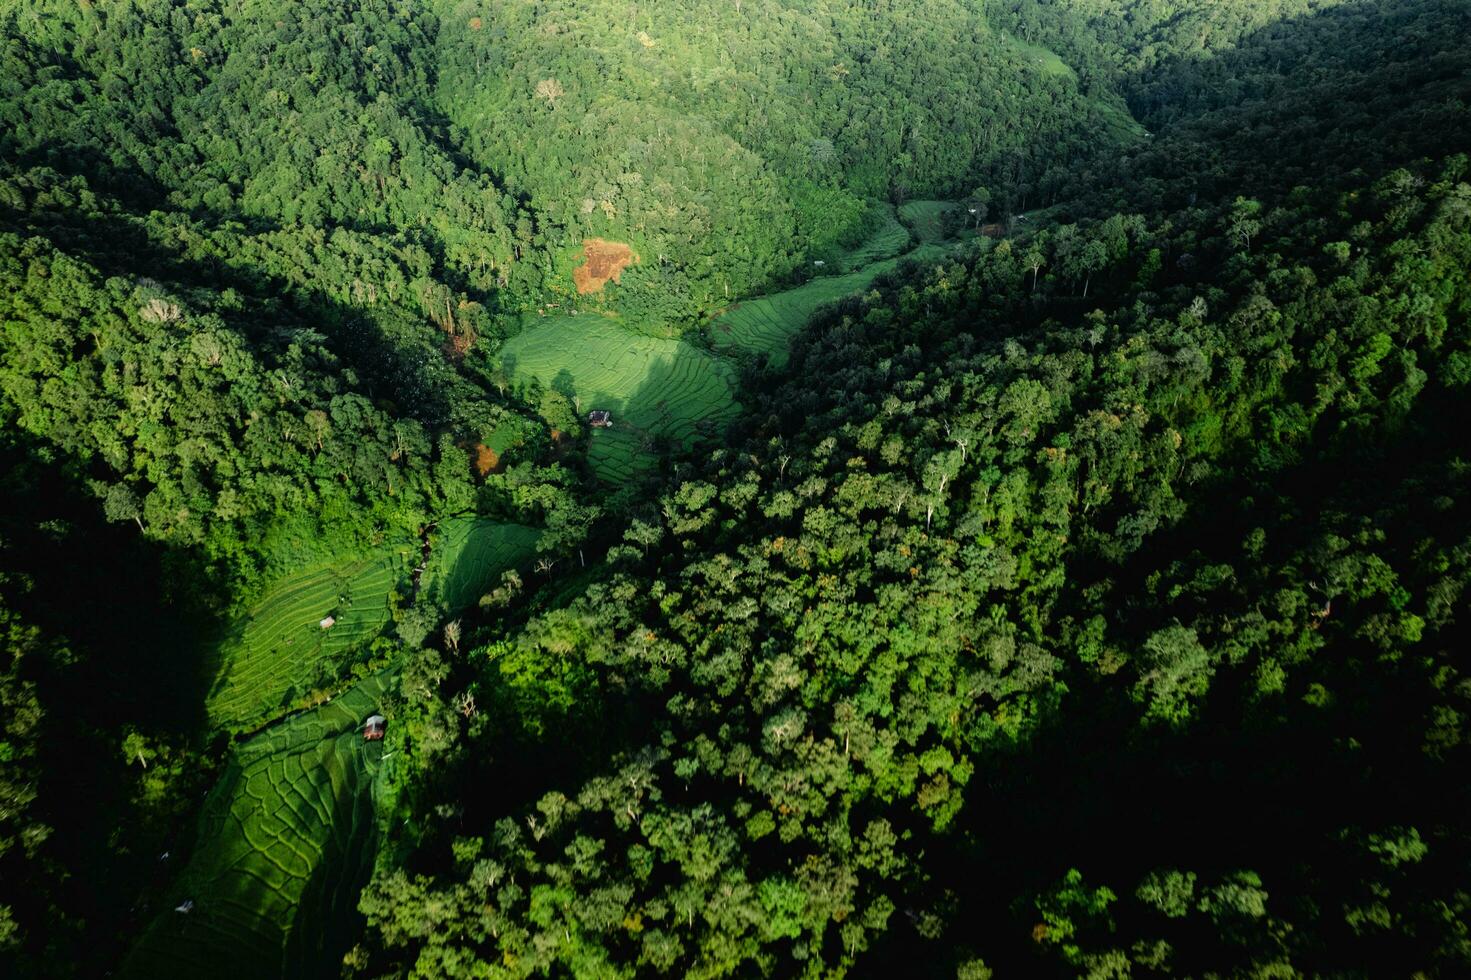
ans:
x=1177 y=526
x=953 y=488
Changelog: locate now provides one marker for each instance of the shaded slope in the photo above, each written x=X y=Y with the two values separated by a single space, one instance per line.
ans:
x=286 y=840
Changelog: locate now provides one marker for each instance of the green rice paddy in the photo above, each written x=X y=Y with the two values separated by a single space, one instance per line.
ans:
x=285 y=842
x=889 y=238
x=655 y=387
x=926 y=219
x=277 y=649
x=767 y=324
x=468 y=557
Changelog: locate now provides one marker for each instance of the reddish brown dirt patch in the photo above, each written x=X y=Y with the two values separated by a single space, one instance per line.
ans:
x=601 y=261
x=459 y=345
x=487 y=461
x=476 y=23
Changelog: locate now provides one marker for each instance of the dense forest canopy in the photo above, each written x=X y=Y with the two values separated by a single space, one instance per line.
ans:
x=952 y=488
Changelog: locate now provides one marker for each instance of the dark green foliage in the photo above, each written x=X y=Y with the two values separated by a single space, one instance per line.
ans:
x=97 y=705
x=1068 y=577
x=917 y=566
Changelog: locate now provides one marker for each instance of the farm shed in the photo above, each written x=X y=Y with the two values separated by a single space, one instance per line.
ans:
x=600 y=419
x=373 y=728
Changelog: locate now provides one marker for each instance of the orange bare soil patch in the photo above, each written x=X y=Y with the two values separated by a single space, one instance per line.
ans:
x=601 y=261
x=486 y=460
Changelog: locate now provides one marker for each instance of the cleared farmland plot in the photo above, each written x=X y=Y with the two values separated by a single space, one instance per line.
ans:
x=469 y=555
x=278 y=645
x=926 y=218
x=653 y=386
x=768 y=323
x=889 y=239
x=286 y=841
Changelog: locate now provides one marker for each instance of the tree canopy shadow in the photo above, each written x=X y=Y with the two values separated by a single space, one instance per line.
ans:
x=133 y=616
x=1345 y=93
x=1095 y=787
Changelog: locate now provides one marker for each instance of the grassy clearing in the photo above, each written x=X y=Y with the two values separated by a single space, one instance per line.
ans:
x=1045 y=59
x=469 y=555
x=768 y=323
x=286 y=841
x=889 y=238
x=278 y=648
x=926 y=219
x=1122 y=125
x=653 y=386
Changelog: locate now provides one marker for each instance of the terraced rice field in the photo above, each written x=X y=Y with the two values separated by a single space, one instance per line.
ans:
x=469 y=555
x=286 y=841
x=889 y=239
x=279 y=645
x=926 y=218
x=768 y=323
x=653 y=386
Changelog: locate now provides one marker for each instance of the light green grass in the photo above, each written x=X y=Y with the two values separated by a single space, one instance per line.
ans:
x=468 y=557
x=926 y=219
x=286 y=841
x=768 y=323
x=654 y=386
x=888 y=239
x=1122 y=125
x=1044 y=58
x=277 y=647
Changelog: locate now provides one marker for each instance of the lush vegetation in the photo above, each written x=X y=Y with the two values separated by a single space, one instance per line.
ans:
x=972 y=543
x=469 y=558
x=658 y=389
x=281 y=644
x=286 y=841
x=1031 y=539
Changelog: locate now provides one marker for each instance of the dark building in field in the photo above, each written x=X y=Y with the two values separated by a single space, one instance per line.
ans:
x=600 y=419
x=373 y=728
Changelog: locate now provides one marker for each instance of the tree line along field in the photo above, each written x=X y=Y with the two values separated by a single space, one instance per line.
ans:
x=469 y=554
x=279 y=647
x=767 y=324
x=285 y=842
